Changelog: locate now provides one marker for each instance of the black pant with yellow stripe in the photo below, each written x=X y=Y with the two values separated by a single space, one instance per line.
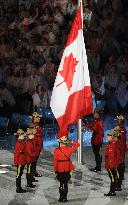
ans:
x=20 y=169
x=29 y=174
x=113 y=177
x=120 y=175
x=33 y=166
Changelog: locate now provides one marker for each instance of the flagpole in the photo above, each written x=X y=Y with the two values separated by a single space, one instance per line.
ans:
x=79 y=123
x=80 y=140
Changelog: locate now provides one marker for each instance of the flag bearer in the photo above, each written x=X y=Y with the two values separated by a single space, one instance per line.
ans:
x=63 y=164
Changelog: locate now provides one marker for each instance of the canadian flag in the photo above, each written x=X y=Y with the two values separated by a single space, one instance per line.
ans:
x=72 y=97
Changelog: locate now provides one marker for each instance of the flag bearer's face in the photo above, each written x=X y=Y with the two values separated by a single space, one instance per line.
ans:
x=63 y=139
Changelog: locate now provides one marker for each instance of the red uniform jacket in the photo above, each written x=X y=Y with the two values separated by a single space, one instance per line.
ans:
x=62 y=162
x=30 y=151
x=19 y=153
x=37 y=144
x=98 y=131
x=123 y=140
x=39 y=140
x=119 y=152
x=111 y=156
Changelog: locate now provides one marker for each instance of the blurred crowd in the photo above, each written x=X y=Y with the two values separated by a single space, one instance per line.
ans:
x=32 y=40
x=106 y=37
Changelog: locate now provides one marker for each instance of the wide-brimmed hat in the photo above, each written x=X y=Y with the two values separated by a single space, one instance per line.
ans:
x=63 y=136
x=20 y=132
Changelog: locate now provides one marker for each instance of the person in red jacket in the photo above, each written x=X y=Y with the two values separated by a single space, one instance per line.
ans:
x=33 y=131
x=120 y=123
x=111 y=162
x=119 y=156
x=63 y=164
x=19 y=159
x=97 y=138
x=30 y=157
x=38 y=141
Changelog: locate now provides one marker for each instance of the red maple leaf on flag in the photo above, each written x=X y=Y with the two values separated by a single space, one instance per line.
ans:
x=68 y=70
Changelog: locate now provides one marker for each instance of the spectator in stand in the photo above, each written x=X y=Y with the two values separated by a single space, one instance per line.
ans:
x=33 y=81
x=122 y=94
x=93 y=61
x=7 y=100
x=123 y=65
x=46 y=15
x=10 y=14
x=41 y=98
x=19 y=82
x=111 y=82
x=9 y=77
x=58 y=18
x=99 y=91
x=109 y=64
x=87 y=15
x=48 y=71
x=1 y=74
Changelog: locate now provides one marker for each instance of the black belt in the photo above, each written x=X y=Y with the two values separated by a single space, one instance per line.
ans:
x=64 y=160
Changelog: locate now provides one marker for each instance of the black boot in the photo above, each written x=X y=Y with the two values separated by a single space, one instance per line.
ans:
x=65 y=192
x=34 y=180
x=31 y=185
x=118 y=189
x=61 y=191
x=20 y=190
x=65 y=200
x=65 y=197
x=99 y=164
x=60 y=199
x=123 y=171
x=37 y=175
x=93 y=169
x=29 y=181
x=18 y=186
x=110 y=194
